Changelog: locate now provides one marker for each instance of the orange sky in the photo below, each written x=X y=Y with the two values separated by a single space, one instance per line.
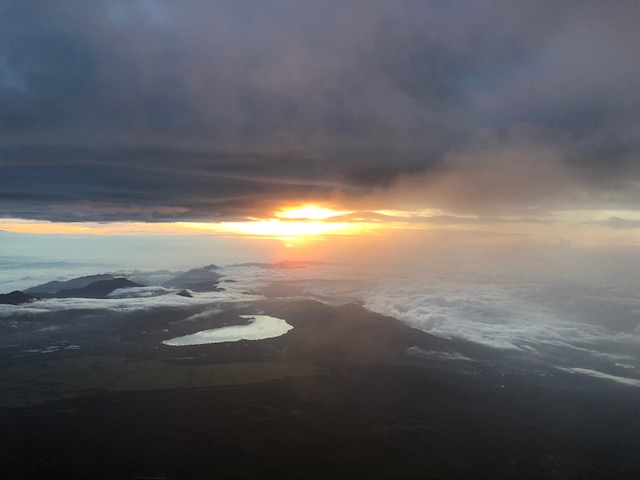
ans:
x=300 y=224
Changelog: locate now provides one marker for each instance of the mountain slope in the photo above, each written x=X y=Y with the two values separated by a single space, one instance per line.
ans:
x=75 y=283
x=15 y=298
x=199 y=279
x=99 y=289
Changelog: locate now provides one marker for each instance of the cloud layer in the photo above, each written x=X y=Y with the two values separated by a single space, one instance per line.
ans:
x=590 y=324
x=159 y=111
x=582 y=326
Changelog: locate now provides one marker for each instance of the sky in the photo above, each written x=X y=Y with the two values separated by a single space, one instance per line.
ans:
x=353 y=130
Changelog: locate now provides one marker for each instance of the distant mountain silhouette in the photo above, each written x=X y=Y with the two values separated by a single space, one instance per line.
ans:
x=99 y=289
x=75 y=283
x=15 y=298
x=147 y=277
x=251 y=264
x=199 y=279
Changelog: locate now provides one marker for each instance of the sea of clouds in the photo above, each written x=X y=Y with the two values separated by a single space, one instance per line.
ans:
x=582 y=325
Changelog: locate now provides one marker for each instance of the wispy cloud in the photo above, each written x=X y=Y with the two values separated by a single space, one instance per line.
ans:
x=617 y=222
x=630 y=382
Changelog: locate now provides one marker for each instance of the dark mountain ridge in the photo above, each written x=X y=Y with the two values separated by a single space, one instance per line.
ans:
x=15 y=298
x=99 y=289
x=198 y=279
x=56 y=286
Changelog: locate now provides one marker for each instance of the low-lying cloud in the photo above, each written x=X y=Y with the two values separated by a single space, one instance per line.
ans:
x=581 y=323
x=547 y=323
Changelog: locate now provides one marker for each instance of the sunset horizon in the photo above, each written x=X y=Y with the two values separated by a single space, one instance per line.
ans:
x=324 y=239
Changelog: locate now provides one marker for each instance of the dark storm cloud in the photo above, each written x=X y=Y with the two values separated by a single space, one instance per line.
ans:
x=148 y=184
x=155 y=110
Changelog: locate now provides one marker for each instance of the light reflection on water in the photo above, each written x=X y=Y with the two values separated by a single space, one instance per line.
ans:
x=261 y=327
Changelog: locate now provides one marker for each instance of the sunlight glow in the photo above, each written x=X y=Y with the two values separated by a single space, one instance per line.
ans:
x=309 y=212
x=281 y=229
x=290 y=224
x=296 y=225
x=42 y=227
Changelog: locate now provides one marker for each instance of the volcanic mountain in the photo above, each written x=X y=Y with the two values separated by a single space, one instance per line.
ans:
x=75 y=283
x=99 y=289
x=15 y=298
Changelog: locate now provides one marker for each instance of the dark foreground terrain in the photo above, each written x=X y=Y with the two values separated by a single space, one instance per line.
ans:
x=339 y=396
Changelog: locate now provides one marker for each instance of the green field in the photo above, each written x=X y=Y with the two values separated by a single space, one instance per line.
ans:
x=41 y=382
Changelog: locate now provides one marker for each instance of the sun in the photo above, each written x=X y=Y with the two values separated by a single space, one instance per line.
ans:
x=292 y=223
x=309 y=212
